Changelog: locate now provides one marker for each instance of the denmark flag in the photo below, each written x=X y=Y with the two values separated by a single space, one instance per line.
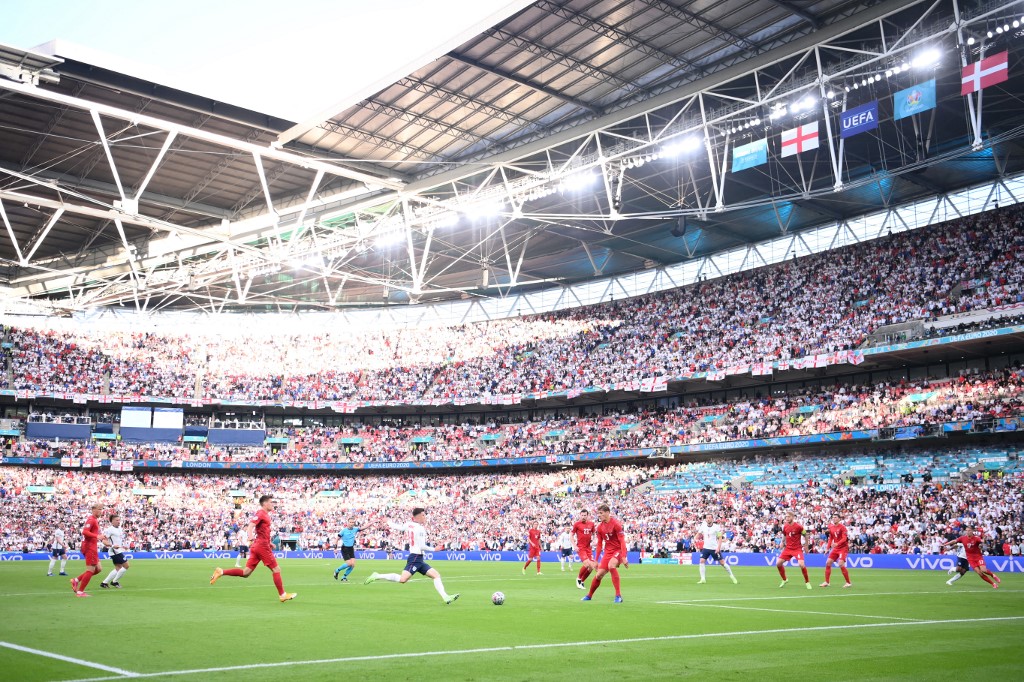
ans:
x=802 y=139
x=989 y=71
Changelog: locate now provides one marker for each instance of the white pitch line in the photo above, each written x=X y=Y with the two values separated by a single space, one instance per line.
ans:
x=813 y=613
x=77 y=661
x=553 y=645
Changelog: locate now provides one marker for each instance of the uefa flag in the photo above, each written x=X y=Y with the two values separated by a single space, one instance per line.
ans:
x=913 y=100
x=749 y=155
x=980 y=75
x=801 y=139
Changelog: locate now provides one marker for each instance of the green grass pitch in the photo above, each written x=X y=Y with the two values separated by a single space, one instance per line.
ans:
x=169 y=623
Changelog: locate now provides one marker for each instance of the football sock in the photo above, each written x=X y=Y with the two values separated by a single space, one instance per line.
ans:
x=527 y=564
x=53 y=562
x=985 y=578
x=956 y=576
x=390 y=577
x=111 y=577
x=233 y=571
x=120 y=572
x=807 y=578
x=615 y=581
x=278 y=583
x=828 y=573
x=727 y=567
x=846 y=574
x=348 y=569
x=439 y=586
x=63 y=565
x=538 y=564
x=594 y=584
x=703 y=571
x=585 y=572
x=83 y=580
x=782 y=571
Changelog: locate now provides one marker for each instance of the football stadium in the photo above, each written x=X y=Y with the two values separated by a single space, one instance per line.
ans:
x=651 y=339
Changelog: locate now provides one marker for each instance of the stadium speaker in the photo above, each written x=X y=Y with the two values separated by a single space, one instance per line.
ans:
x=680 y=229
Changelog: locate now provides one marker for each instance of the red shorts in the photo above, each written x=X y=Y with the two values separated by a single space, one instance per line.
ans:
x=91 y=554
x=838 y=555
x=533 y=552
x=585 y=553
x=258 y=553
x=976 y=562
x=606 y=558
x=788 y=554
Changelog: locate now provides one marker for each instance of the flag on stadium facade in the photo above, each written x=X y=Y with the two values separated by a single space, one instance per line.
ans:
x=761 y=369
x=783 y=364
x=913 y=100
x=749 y=155
x=654 y=384
x=715 y=375
x=800 y=139
x=980 y=75
x=856 y=357
x=858 y=120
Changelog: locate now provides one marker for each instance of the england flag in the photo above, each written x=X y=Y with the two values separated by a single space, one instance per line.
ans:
x=801 y=139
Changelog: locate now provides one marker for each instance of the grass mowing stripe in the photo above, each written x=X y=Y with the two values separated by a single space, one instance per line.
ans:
x=550 y=645
x=69 y=659
x=813 y=613
x=842 y=595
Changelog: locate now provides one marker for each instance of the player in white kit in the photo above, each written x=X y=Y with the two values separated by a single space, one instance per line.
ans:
x=713 y=537
x=113 y=538
x=58 y=550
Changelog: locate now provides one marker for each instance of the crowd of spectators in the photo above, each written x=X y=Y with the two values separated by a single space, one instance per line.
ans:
x=821 y=303
x=492 y=511
x=990 y=395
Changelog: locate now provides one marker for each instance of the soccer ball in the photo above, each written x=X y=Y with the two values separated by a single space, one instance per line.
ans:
x=498 y=598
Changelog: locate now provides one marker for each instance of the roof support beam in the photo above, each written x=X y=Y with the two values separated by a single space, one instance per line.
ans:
x=525 y=83
x=803 y=14
x=802 y=44
x=204 y=135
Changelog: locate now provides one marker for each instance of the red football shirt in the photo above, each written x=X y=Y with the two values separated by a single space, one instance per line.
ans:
x=611 y=537
x=584 y=532
x=972 y=545
x=91 y=532
x=794 y=533
x=533 y=535
x=262 y=521
x=837 y=537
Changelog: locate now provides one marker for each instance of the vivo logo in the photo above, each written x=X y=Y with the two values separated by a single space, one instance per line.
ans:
x=361 y=555
x=490 y=556
x=860 y=562
x=455 y=556
x=931 y=563
x=520 y=556
x=10 y=557
x=215 y=555
x=312 y=555
x=167 y=555
x=1005 y=564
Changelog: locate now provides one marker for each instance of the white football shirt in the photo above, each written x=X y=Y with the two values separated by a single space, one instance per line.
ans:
x=710 y=533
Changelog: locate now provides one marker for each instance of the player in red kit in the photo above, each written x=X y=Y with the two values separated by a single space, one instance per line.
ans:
x=612 y=539
x=794 y=534
x=533 y=539
x=839 y=544
x=90 y=550
x=259 y=550
x=972 y=546
x=584 y=530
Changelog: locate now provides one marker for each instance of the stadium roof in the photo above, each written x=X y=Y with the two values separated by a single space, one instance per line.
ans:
x=573 y=140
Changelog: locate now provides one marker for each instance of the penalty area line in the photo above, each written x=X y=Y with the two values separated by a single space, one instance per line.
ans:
x=551 y=645
x=69 y=659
